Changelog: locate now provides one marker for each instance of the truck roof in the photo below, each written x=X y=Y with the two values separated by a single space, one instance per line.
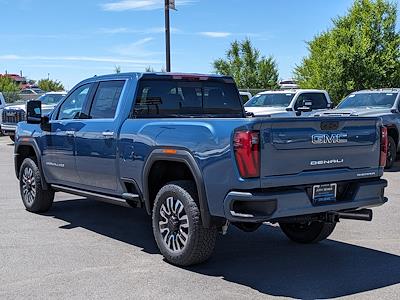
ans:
x=292 y=91
x=138 y=75
x=382 y=90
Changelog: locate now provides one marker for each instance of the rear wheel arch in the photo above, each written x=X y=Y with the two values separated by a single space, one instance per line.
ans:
x=185 y=162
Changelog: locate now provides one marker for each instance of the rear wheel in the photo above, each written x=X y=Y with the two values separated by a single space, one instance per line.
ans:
x=307 y=233
x=34 y=197
x=177 y=225
x=392 y=152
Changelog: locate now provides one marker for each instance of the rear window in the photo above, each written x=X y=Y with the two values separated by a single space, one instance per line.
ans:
x=318 y=100
x=180 y=98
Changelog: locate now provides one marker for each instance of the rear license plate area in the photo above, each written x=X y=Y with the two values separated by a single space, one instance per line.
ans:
x=324 y=193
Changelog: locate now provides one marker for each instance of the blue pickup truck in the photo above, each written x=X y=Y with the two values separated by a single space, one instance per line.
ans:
x=182 y=147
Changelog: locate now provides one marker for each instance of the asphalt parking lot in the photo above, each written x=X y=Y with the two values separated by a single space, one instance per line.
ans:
x=87 y=249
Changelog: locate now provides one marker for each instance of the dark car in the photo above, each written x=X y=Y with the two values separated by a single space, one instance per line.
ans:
x=382 y=103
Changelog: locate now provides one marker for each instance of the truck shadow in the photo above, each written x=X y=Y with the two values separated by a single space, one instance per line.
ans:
x=395 y=168
x=264 y=260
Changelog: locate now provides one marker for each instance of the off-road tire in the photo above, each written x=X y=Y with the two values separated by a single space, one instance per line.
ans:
x=39 y=200
x=309 y=233
x=200 y=241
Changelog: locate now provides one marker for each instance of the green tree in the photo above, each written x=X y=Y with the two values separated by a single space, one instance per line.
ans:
x=9 y=89
x=360 y=51
x=248 y=67
x=149 y=69
x=49 y=85
x=7 y=85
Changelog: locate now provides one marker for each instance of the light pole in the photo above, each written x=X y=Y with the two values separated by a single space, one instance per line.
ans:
x=169 y=4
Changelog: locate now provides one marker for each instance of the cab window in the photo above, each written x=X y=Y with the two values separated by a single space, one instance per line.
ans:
x=72 y=106
x=319 y=100
x=106 y=99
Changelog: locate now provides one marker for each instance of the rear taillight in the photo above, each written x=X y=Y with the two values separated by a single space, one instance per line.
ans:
x=384 y=146
x=246 y=145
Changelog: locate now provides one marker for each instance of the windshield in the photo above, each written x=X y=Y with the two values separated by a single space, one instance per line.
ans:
x=270 y=100
x=51 y=98
x=38 y=91
x=373 y=100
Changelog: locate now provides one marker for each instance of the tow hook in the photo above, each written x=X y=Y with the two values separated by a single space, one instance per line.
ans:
x=224 y=228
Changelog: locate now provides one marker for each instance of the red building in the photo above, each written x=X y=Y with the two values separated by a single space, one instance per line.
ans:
x=19 y=80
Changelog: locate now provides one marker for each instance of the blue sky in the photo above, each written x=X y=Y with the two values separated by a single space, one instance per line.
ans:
x=73 y=40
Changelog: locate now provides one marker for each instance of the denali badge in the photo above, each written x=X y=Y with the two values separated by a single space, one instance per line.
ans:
x=326 y=162
x=337 y=138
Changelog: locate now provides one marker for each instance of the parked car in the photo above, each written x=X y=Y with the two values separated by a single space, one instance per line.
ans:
x=288 y=103
x=30 y=94
x=181 y=146
x=288 y=84
x=245 y=96
x=2 y=106
x=383 y=103
x=11 y=115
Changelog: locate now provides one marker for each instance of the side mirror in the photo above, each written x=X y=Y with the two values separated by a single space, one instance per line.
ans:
x=34 y=112
x=330 y=106
x=394 y=111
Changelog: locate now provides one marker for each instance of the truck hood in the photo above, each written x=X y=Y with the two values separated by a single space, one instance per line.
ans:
x=258 y=111
x=356 y=112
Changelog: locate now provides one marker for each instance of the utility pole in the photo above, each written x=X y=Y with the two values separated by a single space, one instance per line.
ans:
x=169 y=4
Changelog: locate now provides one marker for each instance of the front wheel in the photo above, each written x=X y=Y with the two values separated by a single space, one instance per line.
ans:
x=177 y=225
x=307 y=233
x=34 y=197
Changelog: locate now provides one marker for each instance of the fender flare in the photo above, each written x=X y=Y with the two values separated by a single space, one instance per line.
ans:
x=187 y=158
x=33 y=144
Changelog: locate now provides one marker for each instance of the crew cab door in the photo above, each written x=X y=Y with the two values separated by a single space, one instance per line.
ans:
x=96 y=141
x=59 y=147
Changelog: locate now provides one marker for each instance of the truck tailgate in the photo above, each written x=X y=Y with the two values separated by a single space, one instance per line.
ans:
x=324 y=147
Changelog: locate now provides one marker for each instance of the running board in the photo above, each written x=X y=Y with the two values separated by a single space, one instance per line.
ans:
x=99 y=197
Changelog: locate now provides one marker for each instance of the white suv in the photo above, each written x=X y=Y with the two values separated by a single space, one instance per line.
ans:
x=11 y=115
x=288 y=103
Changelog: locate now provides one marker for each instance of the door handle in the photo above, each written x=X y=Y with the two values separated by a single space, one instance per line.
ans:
x=70 y=133
x=108 y=134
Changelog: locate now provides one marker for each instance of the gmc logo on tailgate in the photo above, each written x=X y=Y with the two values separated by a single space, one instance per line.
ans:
x=337 y=138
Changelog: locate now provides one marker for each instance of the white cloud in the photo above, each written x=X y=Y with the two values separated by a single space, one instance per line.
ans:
x=136 y=49
x=215 y=34
x=123 y=5
x=79 y=59
x=120 y=30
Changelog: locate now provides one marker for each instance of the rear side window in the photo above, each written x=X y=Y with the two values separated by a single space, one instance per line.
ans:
x=174 y=98
x=106 y=99
x=319 y=100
